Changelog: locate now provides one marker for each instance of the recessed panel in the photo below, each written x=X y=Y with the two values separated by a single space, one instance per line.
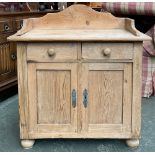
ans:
x=54 y=96
x=105 y=97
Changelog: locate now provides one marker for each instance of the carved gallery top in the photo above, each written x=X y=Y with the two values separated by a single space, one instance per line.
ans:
x=78 y=23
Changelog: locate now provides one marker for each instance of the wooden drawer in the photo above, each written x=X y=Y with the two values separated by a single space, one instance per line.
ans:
x=107 y=51
x=47 y=52
x=6 y=26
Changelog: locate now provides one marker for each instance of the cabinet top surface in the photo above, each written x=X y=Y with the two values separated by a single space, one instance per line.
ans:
x=78 y=23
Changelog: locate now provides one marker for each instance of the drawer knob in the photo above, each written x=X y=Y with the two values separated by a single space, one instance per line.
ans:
x=107 y=52
x=6 y=27
x=13 y=56
x=51 y=53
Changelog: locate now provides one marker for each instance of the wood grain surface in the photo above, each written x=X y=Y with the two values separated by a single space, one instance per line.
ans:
x=118 y=50
x=62 y=51
x=78 y=22
x=50 y=87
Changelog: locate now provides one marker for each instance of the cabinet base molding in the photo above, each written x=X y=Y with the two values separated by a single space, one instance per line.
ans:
x=132 y=143
x=27 y=144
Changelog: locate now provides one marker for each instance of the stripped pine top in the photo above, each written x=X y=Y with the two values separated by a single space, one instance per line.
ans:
x=78 y=23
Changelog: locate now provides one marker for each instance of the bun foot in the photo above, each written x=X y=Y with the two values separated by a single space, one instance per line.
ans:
x=132 y=143
x=27 y=144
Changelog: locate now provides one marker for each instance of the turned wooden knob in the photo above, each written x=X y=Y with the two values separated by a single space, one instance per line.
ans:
x=51 y=52
x=107 y=52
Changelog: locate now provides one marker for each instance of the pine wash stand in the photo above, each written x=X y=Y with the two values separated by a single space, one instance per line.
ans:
x=79 y=76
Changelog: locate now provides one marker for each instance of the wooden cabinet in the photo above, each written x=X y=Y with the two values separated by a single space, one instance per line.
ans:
x=75 y=82
x=75 y=99
x=8 y=54
x=10 y=23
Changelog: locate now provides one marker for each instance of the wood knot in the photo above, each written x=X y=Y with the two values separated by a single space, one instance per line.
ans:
x=126 y=81
x=87 y=22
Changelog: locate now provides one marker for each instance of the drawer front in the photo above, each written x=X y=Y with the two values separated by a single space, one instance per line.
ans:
x=17 y=24
x=3 y=38
x=107 y=51
x=50 y=52
x=6 y=26
x=8 y=58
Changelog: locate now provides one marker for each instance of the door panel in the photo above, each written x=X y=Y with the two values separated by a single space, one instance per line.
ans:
x=109 y=98
x=50 y=87
x=54 y=97
x=105 y=97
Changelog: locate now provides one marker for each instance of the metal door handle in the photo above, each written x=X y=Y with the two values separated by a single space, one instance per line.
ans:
x=74 y=98
x=85 y=98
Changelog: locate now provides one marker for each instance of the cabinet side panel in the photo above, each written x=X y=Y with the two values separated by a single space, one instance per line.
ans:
x=137 y=78
x=23 y=90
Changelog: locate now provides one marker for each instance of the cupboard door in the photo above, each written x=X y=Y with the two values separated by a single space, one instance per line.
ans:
x=105 y=99
x=53 y=110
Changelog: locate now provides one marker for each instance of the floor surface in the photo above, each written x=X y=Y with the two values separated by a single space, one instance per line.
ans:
x=9 y=133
